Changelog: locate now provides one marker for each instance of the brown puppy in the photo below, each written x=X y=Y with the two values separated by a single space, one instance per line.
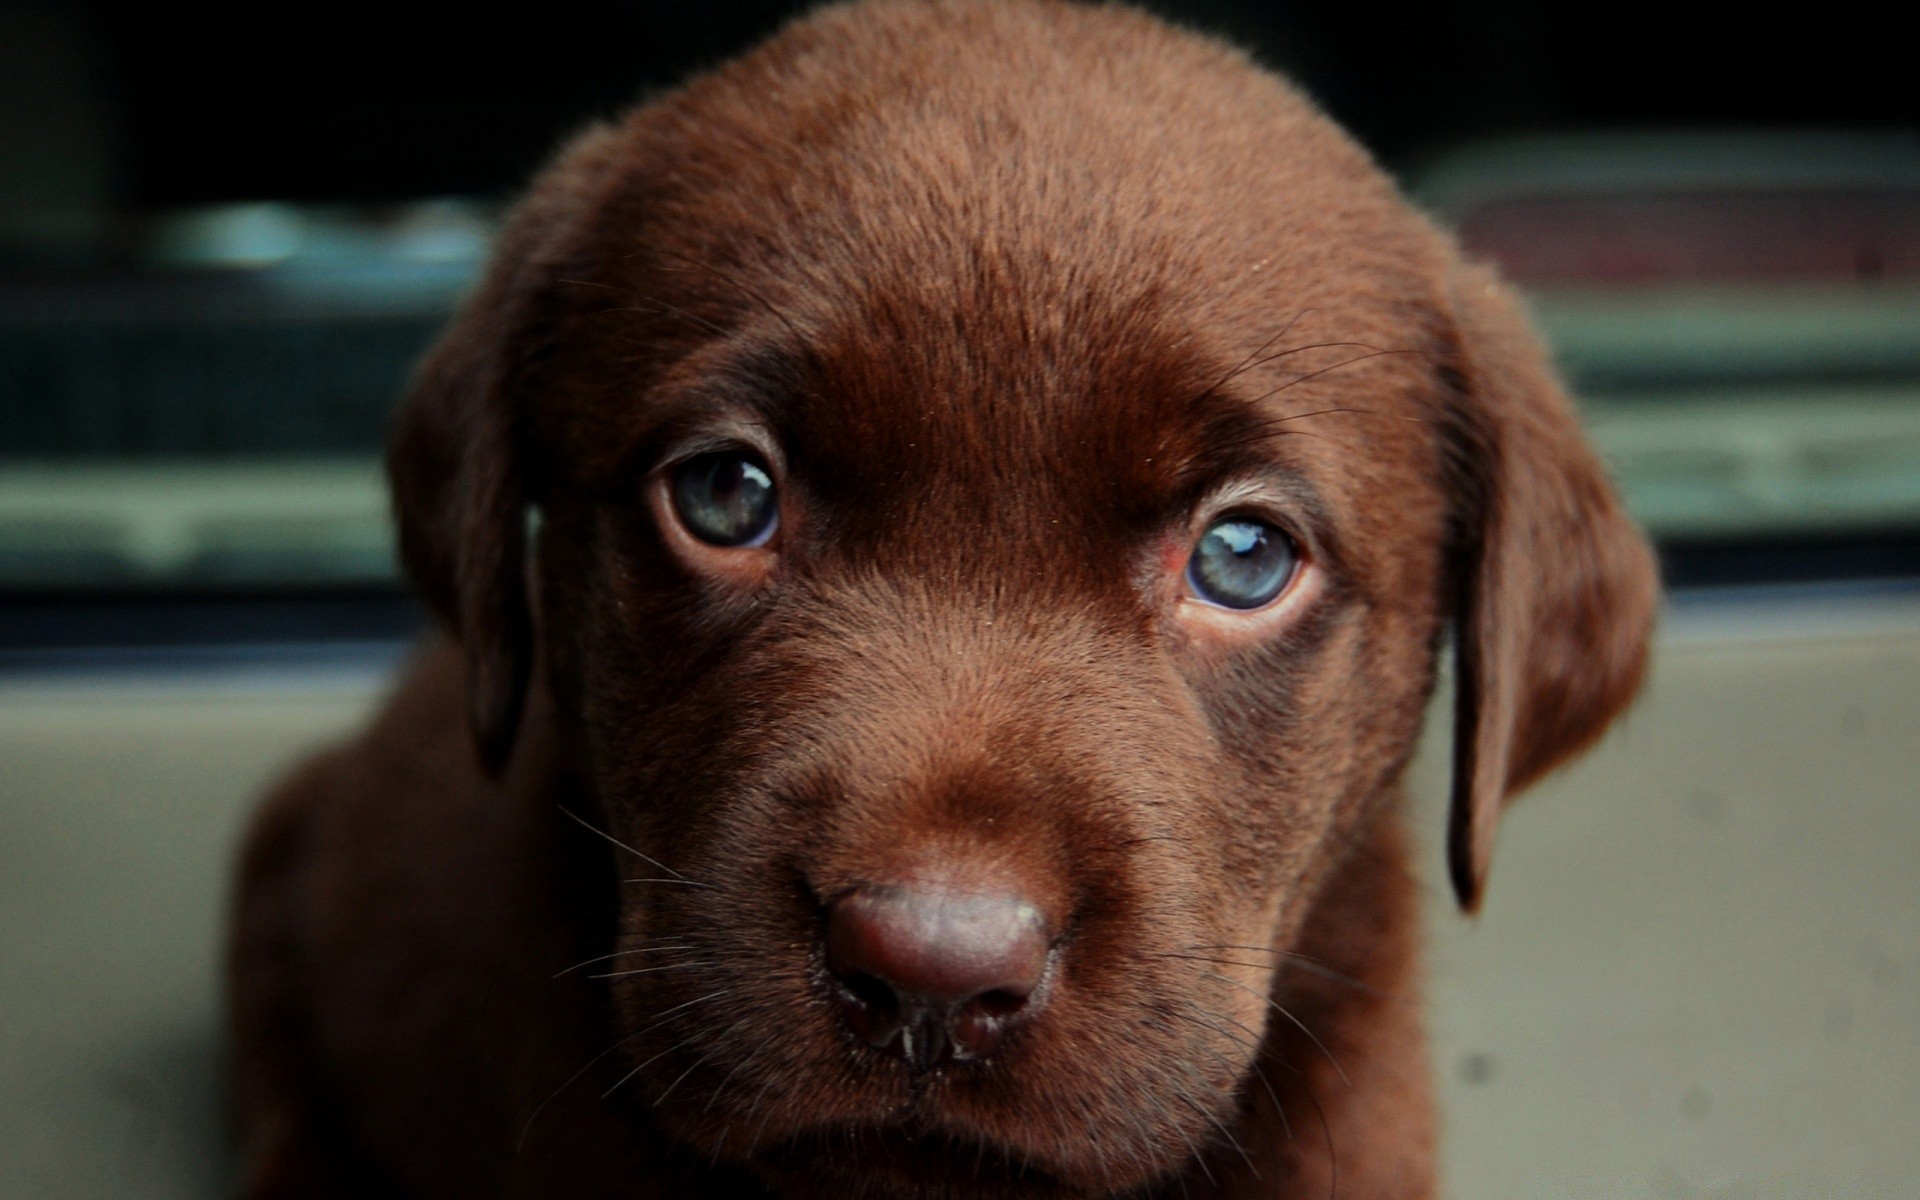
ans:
x=1004 y=473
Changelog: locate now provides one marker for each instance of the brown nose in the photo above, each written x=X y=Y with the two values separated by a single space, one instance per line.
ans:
x=930 y=972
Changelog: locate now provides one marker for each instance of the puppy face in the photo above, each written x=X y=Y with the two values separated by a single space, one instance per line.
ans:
x=1004 y=473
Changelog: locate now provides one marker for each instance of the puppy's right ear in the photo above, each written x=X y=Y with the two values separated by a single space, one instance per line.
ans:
x=457 y=458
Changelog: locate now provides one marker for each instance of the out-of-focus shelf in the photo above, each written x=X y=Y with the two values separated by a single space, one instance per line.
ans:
x=313 y=522
x=1743 y=462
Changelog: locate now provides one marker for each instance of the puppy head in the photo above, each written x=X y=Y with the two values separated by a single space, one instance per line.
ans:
x=1004 y=473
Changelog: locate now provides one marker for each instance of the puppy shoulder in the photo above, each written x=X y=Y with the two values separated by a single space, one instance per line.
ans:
x=397 y=907
x=348 y=809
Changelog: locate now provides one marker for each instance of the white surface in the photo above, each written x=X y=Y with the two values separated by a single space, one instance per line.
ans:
x=1697 y=971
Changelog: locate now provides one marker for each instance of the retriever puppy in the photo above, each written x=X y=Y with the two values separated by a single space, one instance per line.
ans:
x=946 y=525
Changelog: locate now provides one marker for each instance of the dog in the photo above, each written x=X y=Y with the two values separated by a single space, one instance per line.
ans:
x=947 y=526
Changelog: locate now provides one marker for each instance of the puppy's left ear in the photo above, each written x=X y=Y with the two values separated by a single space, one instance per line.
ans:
x=1557 y=586
x=458 y=457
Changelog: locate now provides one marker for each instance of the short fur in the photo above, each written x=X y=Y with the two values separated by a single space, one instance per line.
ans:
x=1008 y=289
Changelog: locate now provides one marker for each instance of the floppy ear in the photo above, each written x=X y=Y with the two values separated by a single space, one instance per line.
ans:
x=1557 y=586
x=458 y=460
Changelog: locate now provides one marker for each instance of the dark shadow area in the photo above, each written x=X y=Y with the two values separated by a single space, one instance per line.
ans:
x=379 y=102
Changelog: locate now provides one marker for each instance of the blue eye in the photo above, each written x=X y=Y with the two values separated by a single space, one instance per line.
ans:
x=1241 y=563
x=726 y=499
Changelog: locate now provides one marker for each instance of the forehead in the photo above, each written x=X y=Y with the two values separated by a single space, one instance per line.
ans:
x=958 y=282
x=1061 y=391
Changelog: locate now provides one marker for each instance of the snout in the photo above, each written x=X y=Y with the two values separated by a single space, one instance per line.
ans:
x=932 y=972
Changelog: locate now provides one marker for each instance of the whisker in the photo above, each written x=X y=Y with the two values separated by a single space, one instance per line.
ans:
x=1259 y=1053
x=655 y=863
x=1279 y=1109
x=682 y=882
x=1199 y=1159
x=1306 y=1089
x=1358 y=412
x=717 y=1043
x=758 y=1050
x=663 y=1019
x=1297 y=1022
x=1348 y=362
x=622 y=1081
x=1258 y=1074
x=1289 y=353
x=1223 y=962
x=1300 y=961
x=678 y=1078
x=1254 y=358
x=1218 y=1124
x=1326 y=1129
x=754 y=1141
x=696 y=964
x=541 y=1107
x=662 y=949
x=661 y=1016
x=1251 y=1043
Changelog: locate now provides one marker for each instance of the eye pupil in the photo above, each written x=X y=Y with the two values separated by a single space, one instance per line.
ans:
x=1241 y=563
x=726 y=499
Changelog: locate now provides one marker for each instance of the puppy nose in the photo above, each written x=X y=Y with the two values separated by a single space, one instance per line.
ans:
x=931 y=973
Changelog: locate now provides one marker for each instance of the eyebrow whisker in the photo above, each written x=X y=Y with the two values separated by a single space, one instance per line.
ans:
x=1346 y=362
x=1288 y=353
x=1253 y=358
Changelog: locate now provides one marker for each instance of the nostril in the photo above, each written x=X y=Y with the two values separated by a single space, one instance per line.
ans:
x=999 y=1003
x=873 y=993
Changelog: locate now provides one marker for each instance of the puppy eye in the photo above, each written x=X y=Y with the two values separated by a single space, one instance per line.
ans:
x=1241 y=563
x=726 y=499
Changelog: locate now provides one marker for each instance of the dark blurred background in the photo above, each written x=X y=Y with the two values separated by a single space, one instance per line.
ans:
x=226 y=233
x=145 y=106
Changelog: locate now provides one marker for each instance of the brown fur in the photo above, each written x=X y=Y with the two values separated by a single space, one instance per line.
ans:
x=1005 y=290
